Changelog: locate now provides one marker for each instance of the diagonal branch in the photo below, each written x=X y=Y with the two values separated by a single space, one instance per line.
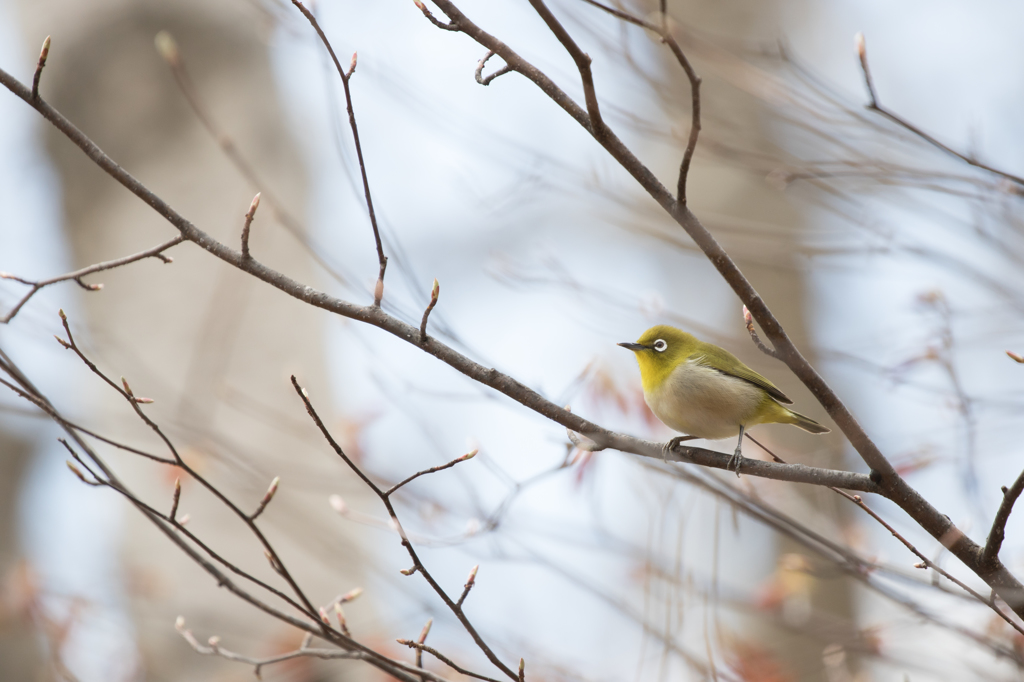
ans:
x=995 y=536
x=77 y=275
x=583 y=61
x=419 y=646
x=126 y=392
x=382 y=260
x=417 y=564
x=695 y=81
x=874 y=105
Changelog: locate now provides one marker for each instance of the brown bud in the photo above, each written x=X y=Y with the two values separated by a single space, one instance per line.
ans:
x=76 y=471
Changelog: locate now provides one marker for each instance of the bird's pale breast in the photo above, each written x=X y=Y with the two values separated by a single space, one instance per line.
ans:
x=700 y=401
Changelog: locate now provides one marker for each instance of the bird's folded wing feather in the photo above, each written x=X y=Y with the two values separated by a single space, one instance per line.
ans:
x=727 y=363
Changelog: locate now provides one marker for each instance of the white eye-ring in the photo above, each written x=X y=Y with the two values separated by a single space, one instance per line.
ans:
x=660 y=345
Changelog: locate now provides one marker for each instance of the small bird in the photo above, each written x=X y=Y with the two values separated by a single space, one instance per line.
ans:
x=705 y=392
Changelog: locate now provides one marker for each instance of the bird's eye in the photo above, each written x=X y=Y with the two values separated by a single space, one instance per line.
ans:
x=660 y=345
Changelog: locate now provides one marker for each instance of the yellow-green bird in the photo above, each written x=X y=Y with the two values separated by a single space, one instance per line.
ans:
x=704 y=391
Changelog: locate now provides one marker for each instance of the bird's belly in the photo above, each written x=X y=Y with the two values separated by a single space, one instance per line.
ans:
x=703 y=402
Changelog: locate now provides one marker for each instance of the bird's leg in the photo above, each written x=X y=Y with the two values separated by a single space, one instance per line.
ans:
x=737 y=456
x=672 y=444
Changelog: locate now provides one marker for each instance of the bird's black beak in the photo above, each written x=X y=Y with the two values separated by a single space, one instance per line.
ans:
x=633 y=346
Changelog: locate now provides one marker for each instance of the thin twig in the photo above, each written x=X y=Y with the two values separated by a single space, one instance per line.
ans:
x=125 y=391
x=691 y=75
x=583 y=61
x=444 y=659
x=304 y=651
x=875 y=106
x=749 y=321
x=995 y=536
x=39 y=67
x=174 y=500
x=250 y=214
x=486 y=80
x=470 y=582
x=267 y=497
x=417 y=564
x=77 y=275
x=179 y=525
x=434 y=292
x=423 y=638
x=431 y=470
x=453 y=26
x=382 y=260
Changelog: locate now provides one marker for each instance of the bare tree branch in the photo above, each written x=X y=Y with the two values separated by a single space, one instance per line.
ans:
x=378 y=291
x=995 y=536
x=874 y=105
x=417 y=566
x=435 y=291
x=419 y=646
x=695 y=81
x=77 y=275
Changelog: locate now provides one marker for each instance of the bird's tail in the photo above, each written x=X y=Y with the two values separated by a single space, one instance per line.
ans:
x=806 y=423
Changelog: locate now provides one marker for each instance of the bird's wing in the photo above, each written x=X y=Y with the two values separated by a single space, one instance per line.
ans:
x=727 y=363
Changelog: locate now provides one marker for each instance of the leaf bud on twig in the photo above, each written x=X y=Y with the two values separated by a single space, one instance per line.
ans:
x=350 y=595
x=425 y=631
x=378 y=292
x=167 y=47
x=341 y=618
x=76 y=471
x=338 y=504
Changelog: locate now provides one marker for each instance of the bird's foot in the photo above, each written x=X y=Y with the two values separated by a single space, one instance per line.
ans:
x=735 y=462
x=673 y=444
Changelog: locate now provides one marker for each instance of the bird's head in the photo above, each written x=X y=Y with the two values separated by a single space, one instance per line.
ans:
x=659 y=350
